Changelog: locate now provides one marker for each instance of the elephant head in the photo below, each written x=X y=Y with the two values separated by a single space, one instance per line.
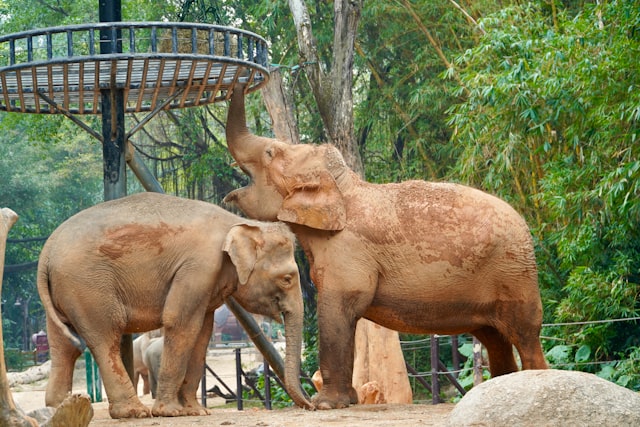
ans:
x=269 y=284
x=297 y=184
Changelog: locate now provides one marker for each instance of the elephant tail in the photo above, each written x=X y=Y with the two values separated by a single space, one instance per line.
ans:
x=44 y=291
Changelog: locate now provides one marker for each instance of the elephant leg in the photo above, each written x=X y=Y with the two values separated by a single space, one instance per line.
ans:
x=531 y=354
x=187 y=393
x=153 y=383
x=501 y=358
x=145 y=384
x=137 y=376
x=180 y=336
x=526 y=337
x=63 y=359
x=337 y=325
x=123 y=399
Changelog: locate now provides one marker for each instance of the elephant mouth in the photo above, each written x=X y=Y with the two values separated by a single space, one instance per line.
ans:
x=278 y=316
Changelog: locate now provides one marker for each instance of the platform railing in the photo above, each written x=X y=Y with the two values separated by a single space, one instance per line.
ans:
x=152 y=61
x=131 y=38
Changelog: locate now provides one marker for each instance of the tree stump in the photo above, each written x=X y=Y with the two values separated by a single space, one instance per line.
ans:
x=379 y=359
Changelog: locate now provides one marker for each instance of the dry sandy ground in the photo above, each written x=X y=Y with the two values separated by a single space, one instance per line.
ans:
x=222 y=361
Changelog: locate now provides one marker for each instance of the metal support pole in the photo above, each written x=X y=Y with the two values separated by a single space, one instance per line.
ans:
x=257 y=336
x=140 y=170
x=203 y=386
x=114 y=148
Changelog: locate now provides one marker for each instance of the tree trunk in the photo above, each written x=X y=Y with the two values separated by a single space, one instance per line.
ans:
x=280 y=107
x=376 y=346
x=333 y=91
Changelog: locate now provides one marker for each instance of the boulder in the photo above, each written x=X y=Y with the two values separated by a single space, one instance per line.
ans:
x=547 y=398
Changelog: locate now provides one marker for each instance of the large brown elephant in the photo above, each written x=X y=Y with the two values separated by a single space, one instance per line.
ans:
x=418 y=257
x=148 y=261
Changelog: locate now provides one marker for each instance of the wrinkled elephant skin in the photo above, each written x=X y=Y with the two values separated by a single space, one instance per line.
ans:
x=148 y=261
x=418 y=257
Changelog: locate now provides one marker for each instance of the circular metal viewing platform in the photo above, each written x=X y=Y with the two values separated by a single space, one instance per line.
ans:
x=157 y=65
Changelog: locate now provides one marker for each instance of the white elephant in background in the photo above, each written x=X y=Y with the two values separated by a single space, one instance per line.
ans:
x=140 y=370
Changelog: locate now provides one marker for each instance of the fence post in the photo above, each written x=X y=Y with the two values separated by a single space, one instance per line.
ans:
x=239 y=379
x=455 y=355
x=94 y=383
x=203 y=385
x=477 y=361
x=435 y=356
x=267 y=385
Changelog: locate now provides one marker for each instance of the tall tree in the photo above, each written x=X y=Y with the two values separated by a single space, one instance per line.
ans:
x=332 y=89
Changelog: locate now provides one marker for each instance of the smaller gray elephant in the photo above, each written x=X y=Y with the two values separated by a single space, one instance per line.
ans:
x=151 y=358
x=140 y=370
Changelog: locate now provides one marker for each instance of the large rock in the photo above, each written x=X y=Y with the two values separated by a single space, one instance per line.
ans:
x=547 y=398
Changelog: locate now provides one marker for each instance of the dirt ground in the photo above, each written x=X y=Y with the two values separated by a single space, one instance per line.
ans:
x=222 y=361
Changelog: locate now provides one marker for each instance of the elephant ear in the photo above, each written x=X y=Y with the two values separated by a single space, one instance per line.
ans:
x=314 y=200
x=241 y=244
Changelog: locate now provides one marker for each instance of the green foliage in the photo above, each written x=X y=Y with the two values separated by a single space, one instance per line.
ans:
x=550 y=123
x=279 y=397
x=401 y=101
x=49 y=171
x=624 y=372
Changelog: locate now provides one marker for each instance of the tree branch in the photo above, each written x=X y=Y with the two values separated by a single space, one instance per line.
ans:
x=333 y=92
x=432 y=40
x=57 y=9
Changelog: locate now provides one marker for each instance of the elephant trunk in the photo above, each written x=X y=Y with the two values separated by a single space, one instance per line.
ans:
x=293 y=336
x=236 y=129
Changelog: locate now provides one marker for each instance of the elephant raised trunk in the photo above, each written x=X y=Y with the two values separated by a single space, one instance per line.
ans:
x=236 y=129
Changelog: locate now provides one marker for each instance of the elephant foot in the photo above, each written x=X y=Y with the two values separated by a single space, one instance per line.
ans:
x=129 y=410
x=175 y=409
x=195 y=410
x=325 y=399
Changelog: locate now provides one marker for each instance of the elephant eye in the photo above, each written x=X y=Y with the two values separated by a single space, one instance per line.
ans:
x=287 y=281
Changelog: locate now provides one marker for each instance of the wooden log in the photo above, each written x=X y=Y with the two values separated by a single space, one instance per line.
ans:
x=379 y=359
